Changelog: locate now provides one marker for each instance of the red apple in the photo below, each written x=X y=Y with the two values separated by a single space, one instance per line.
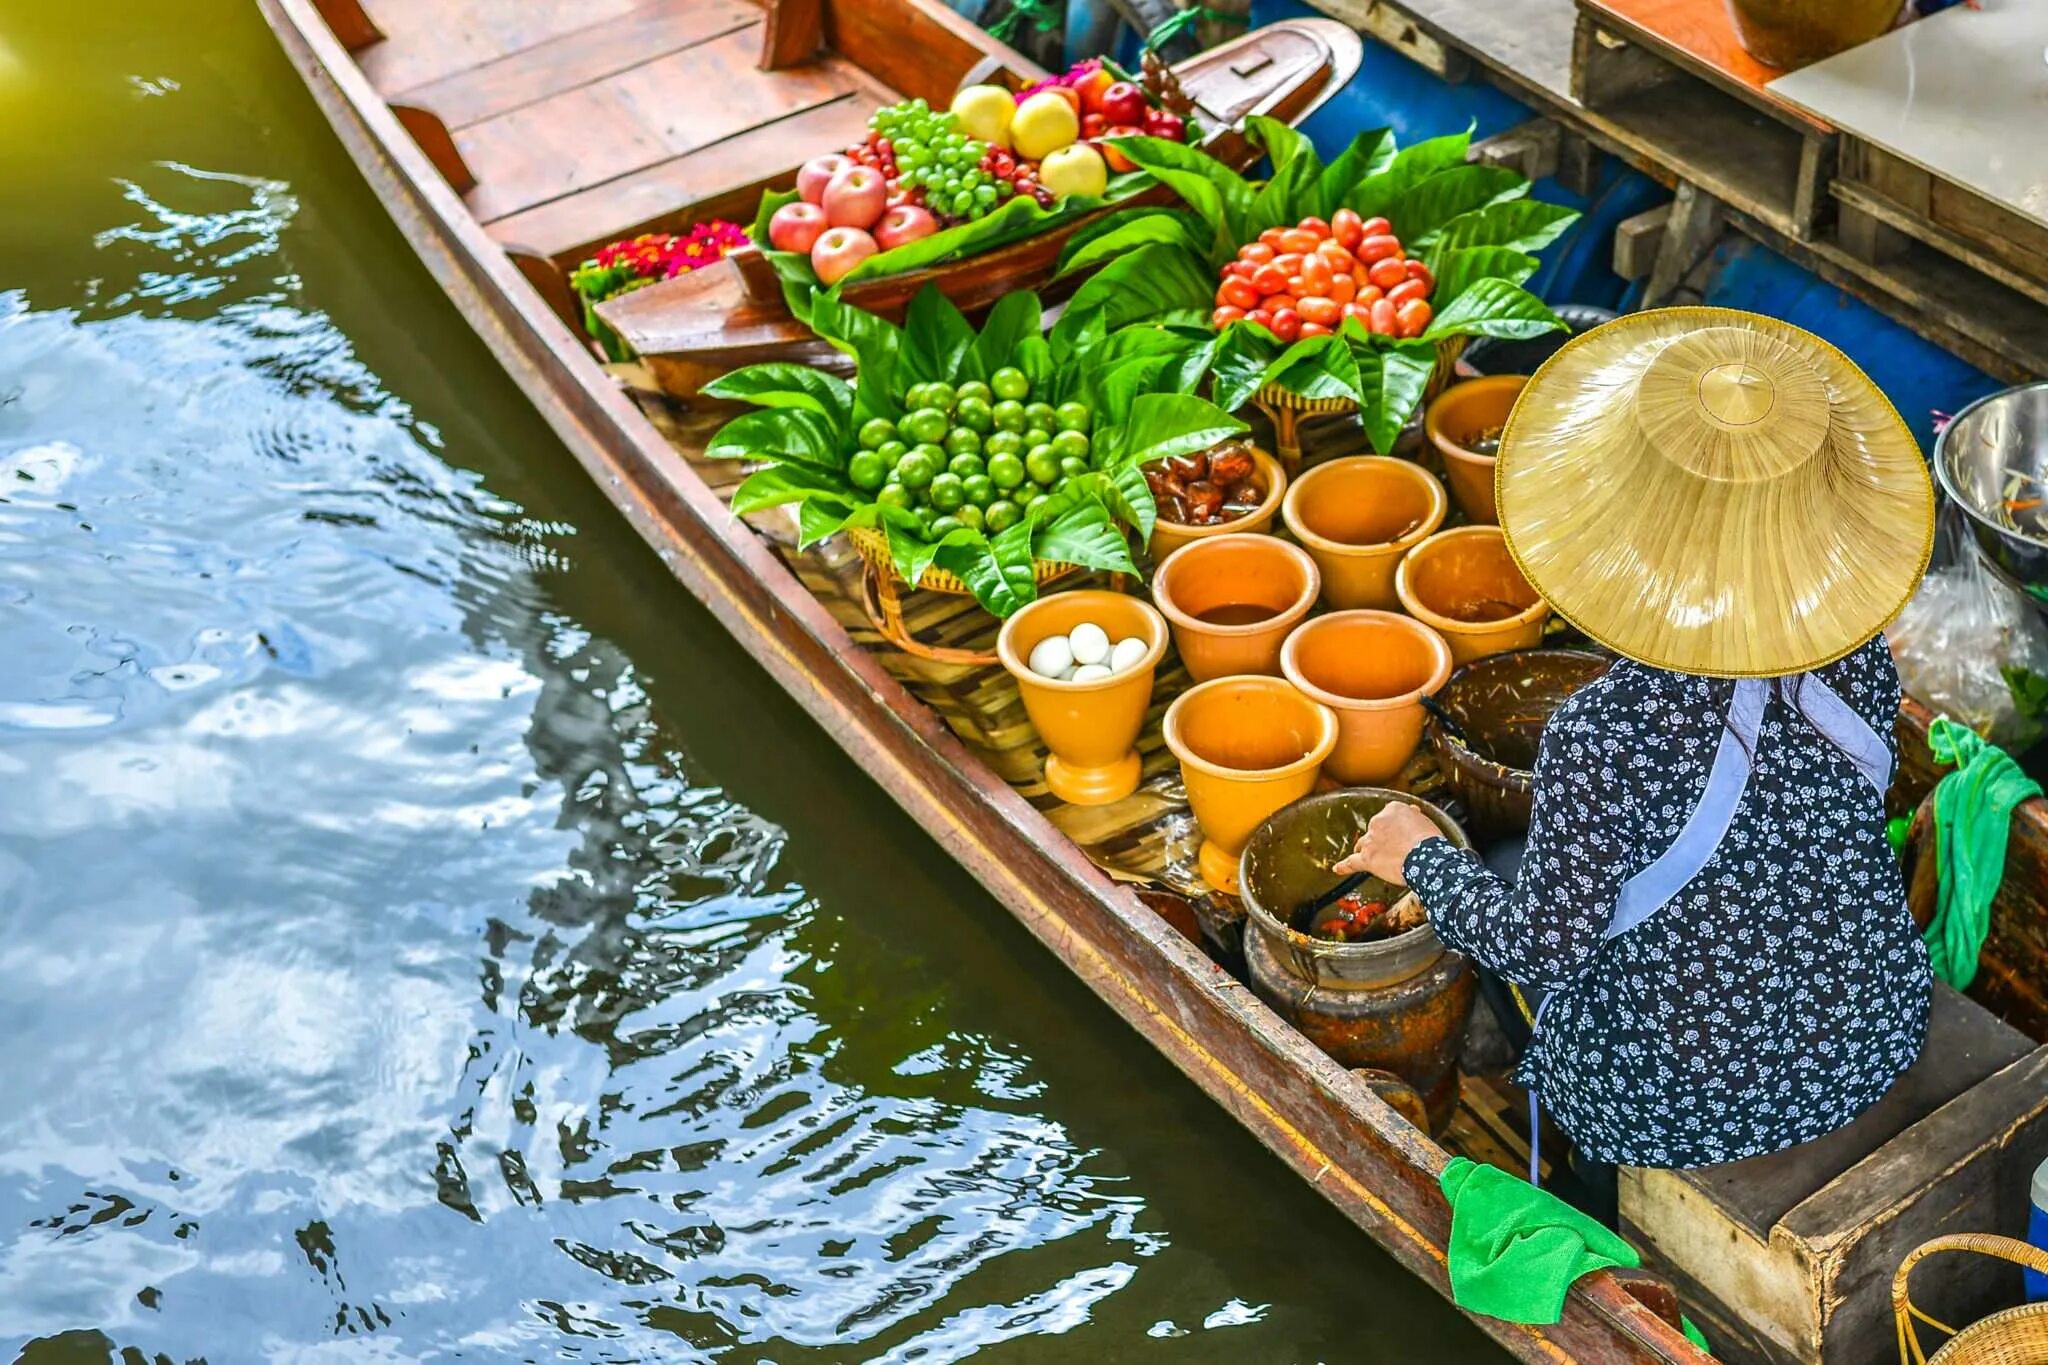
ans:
x=1160 y=124
x=856 y=197
x=904 y=223
x=1124 y=103
x=817 y=174
x=1093 y=125
x=1090 y=88
x=796 y=227
x=840 y=250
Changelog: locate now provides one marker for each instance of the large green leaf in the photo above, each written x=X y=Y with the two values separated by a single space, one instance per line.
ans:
x=1369 y=154
x=1220 y=195
x=1520 y=223
x=1016 y=220
x=1156 y=283
x=1034 y=356
x=1290 y=196
x=1391 y=381
x=1085 y=534
x=779 y=384
x=937 y=340
x=1459 y=269
x=1494 y=308
x=1141 y=227
x=912 y=554
x=874 y=343
x=1317 y=367
x=1420 y=213
x=785 y=435
x=1164 y=424
x=1406 y=169
x=998 y=572
x=1129 y=499
x=1113 y=389
x=786 y=483
x=825 y=516
x=1243 y=354
x=1283 y=142
x=1015 y=319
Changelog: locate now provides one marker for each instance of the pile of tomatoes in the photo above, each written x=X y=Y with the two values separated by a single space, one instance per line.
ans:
x=1305 y=280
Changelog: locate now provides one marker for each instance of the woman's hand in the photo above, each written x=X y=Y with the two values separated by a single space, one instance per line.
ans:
x=1387 y=842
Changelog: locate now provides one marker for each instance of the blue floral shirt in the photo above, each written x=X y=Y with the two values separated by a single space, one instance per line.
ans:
x=1773 y=999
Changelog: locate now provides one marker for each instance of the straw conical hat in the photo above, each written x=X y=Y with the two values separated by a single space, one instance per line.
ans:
x=1714 y=492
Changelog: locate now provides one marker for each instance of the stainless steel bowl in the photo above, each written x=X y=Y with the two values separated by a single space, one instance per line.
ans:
x=1975 y=459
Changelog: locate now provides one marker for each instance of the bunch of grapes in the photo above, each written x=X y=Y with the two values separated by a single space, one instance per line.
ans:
x=1014 y=175
x=932 y=159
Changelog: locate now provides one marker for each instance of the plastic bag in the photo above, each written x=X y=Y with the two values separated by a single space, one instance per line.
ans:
x=1974 y=649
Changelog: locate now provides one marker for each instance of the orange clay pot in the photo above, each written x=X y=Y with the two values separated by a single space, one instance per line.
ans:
x=1372 y=668
x=1464 y=585
x=1232 y=600
x=1461 y=414
x=1356 y=517
x=1247 y=747
x=1092 y=727
x=1168 y=536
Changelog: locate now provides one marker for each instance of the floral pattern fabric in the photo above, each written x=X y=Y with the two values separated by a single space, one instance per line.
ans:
x=1774 y=998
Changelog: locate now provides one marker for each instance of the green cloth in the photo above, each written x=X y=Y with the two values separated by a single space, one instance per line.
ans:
x=1973 y=809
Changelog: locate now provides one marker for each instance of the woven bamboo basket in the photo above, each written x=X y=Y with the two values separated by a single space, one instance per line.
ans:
x=1286 y=409
x=2015 y=1336
x=882 y=597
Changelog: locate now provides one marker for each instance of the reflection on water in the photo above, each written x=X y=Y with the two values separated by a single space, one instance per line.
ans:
x=422 y=936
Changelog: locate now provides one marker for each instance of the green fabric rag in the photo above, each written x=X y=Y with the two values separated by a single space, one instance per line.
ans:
x=1973 y=809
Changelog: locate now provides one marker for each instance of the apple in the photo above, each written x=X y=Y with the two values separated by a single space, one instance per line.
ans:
x=796 y=227
x=1075 y=169
x=840 y=250
x=1091 y=86
x=1116 y=159
x=1093 y=125
x=1124 y=103
x=1044 y=123
x=856 y=197
x=984 y=112
x=817 y=174
x=1160 y=124
x=904 y=223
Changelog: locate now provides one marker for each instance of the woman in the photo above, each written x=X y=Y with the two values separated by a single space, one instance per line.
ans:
x=1708 y=905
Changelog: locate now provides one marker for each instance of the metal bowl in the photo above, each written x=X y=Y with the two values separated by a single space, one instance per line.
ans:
x=1974 y=459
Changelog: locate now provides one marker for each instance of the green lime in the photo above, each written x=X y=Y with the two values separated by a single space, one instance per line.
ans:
x=981 y=490
x=939 y=394
x=974 y=389
x=1075 y=417
x=893 y=495
x=867 y=471
x=1001 y=516
x=913 y=398
x=1072 y=466
x=1009 y=382
x=891 y=452
x=1071 y=443
x=942 y=525
x=1037 y=436
x=876 y=430
x=1007 y=471
x=946 y=492
x=970 y=517
x=966 y=464
x=1042 y=463
x=926 y=424
x=917 y=468
x=1002 y=443
x=1042 y=415
x=973 y=411
x=1009 y=415
x=1036 y=501
x=961 y=441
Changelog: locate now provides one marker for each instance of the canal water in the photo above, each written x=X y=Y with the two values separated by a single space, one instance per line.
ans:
x=423 y=934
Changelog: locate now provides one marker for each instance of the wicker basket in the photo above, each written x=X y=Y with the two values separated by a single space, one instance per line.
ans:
x=882 y=596
x=1286 y=409
x=2016 y=1336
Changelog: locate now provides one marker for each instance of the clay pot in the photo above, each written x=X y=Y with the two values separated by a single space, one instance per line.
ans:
x=1501 y=705
x=1356 y=517
x=1090 y=727
x=1247 y=746
x=1232 y=600
x=1168 y=537
x=1461 y=414
x=1464 y=585
x=1373 y=668
x=1789 y=34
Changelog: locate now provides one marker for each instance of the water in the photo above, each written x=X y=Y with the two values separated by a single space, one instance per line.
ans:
x=423 y=934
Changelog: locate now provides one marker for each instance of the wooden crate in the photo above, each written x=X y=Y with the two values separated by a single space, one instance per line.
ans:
x=1788 y=1257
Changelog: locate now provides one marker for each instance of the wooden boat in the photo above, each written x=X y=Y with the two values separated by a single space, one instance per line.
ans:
x=1103 y=889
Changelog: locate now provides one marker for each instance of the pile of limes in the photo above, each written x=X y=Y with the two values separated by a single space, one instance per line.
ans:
x=975 y=455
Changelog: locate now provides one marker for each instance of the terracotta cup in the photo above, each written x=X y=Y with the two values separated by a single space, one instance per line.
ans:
x=1090 y=727
x=1247 y=746
x=1372 y=668
x=1232 y=600
x=1463 y=584
x=1460 y=415
x=1356 y=517
x=1268 y=476
x=1789 y=34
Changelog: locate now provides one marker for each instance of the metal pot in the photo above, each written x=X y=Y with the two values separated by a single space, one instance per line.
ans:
x=1995 y=436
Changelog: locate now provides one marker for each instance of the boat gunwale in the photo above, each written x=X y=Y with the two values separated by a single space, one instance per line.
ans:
x=1138 y=964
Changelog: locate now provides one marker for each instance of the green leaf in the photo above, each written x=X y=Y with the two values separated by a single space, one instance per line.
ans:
x=1164 y=424
x=1459 y=269
x=998 y=572
x=779 y=384
x=1317 y=367
x=786 y=483
x=785 y=435
x=1085 y=534
x=1521 y=224
x=1156 y=283
x=820 y=517
x=1113 y=389
x=1220 y=195
x=1391 y=381
x=1033 y=355
x=1019 y=218
x=1129 y=498
x=874 y=343
x=1368 y=155
x=1494 y=308
x=1373 y=196
x=1140 y=227
x=912 y=554
x=1285 y=143
x=1015 y=319
x=1243 y=354
x=1422 y=212
x=1290 y=196
x=936 y=339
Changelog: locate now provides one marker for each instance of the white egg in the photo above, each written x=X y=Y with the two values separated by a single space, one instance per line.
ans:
x=1051 y=657
x=1090 y=673
x=1128 y=651
x=1090 y=642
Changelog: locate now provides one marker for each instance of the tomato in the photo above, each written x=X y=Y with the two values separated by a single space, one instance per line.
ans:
x=1314 y=329
x=1270 y=238
x=1371 y=295
x=1315 y=308
x=1275 y=302
x=1295 y=239
x=1239 y=294
x=1315 y=225
x=1286 y=324
x=1337 y=256
x=1239 y=270
x=1360 y=312
x=1258 y=253
x=1406 y=290
x=1343 y=288
x=1374 y=227
x=1288 y=263
x=1269 y=279
x=1379 y=248
x=1384 y=318
x=1419 y=271
x=1261 y=316
x=1316 y=275
x=1298 y=286
x=1414 y=317
x=1388 y=272
x=1223 y=317
x=1347 y=229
